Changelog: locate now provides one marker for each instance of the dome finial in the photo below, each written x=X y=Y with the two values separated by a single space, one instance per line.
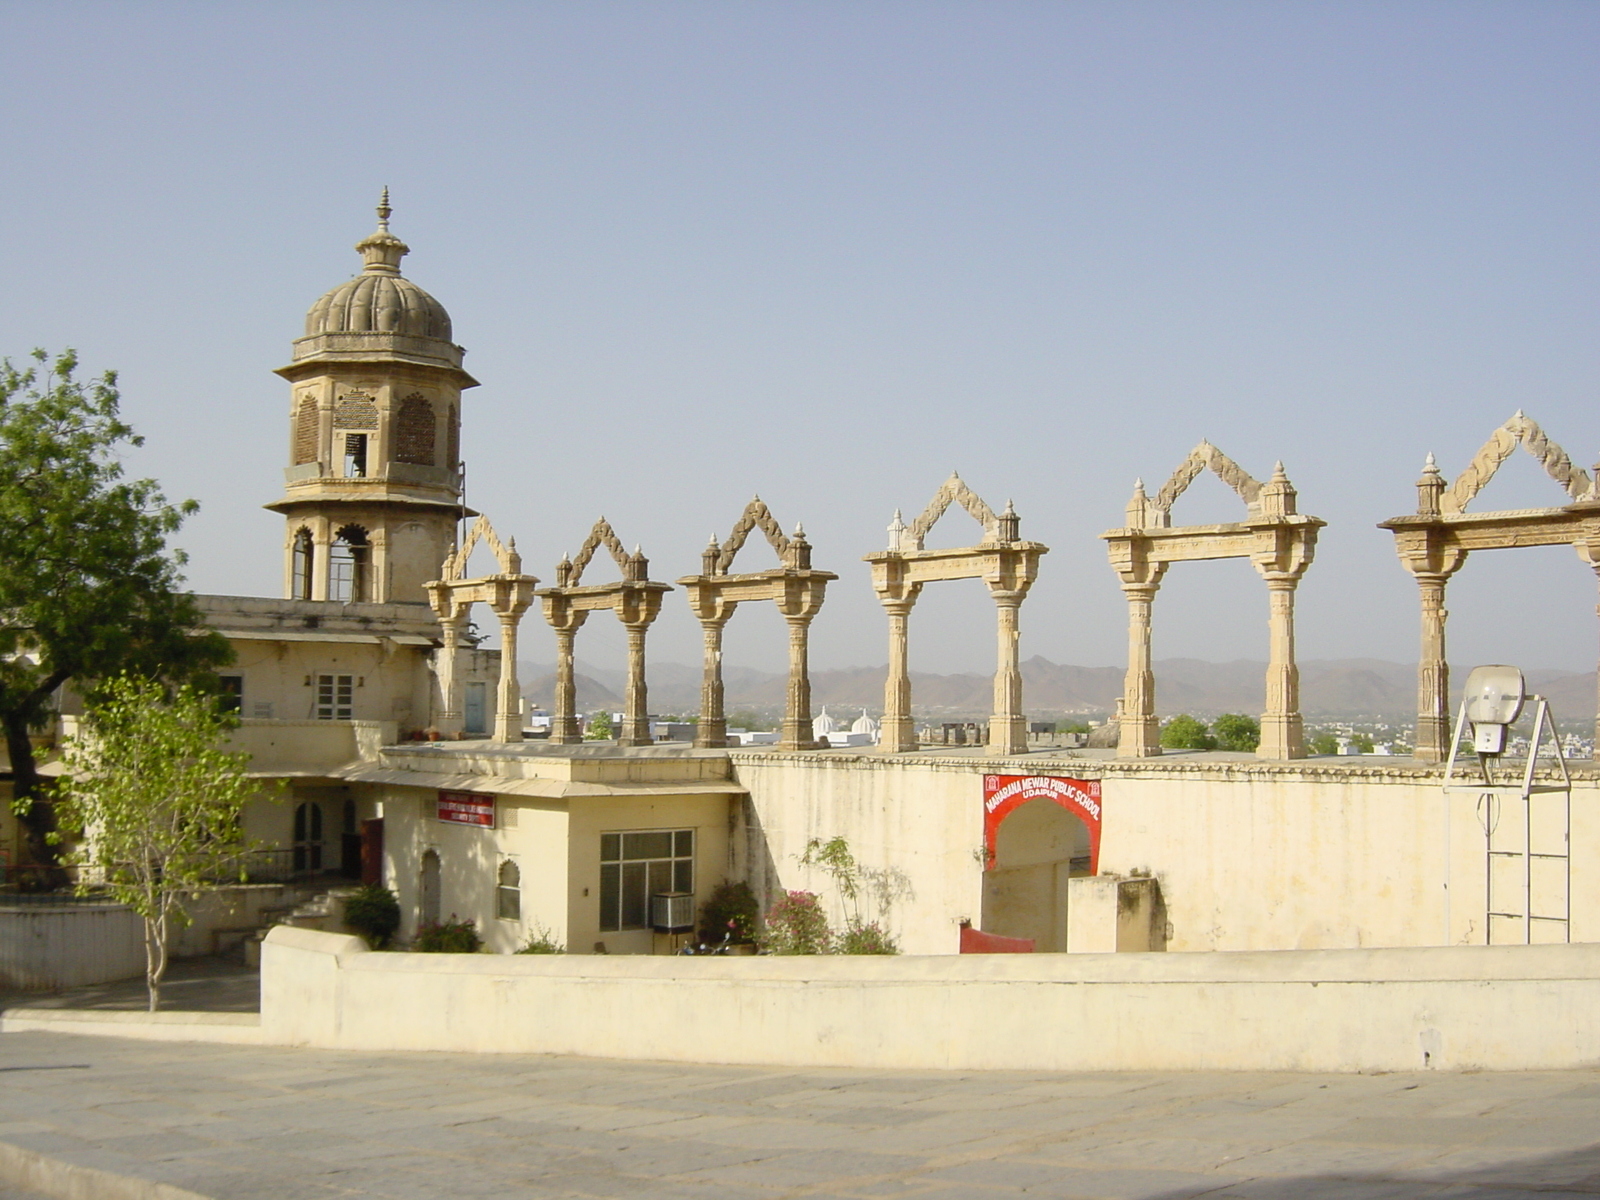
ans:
x=381 y=251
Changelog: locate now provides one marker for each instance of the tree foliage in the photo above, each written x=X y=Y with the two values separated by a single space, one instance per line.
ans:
x=1236 y=731
x=600 y=729
x=1323 y=743
x=157 y=802
x=855 y=882
x=88 y=587
x=1184 y=732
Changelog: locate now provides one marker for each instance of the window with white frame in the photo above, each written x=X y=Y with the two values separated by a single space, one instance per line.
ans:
x=508 y=892
x=335 y=697
x=634 y=866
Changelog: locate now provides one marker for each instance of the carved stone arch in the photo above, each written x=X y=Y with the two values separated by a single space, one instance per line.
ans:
x=508 y=593
x=1275 y=536
x=953 y=491
x=636 y=601
x=601 y=535
x=1519 y=430
x=793 y=586
x=1006 y=564
x=1200 y=458
x=756 y=515
x=506 y=555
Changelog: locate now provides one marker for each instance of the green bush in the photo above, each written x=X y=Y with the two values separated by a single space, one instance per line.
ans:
x=1323 y=743
x=1235 y=731
x=373 y=911
x=448 y=937
x=732 y=906
x=796 y=924
x=1184 y=732
x=868 y=938
x=542 y=941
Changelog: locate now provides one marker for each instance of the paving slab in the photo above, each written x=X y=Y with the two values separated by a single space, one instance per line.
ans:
x=224 y=1122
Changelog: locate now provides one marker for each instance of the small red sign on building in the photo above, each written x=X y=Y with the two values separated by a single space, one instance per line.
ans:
x=467 y=808
x=1003 y=793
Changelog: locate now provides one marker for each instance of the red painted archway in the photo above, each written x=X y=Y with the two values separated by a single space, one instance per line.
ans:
x=1003 y=794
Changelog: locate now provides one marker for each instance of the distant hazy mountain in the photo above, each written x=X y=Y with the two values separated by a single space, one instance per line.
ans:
x=1328 y=688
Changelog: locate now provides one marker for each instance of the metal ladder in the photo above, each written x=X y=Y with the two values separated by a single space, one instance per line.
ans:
x=1508 y=892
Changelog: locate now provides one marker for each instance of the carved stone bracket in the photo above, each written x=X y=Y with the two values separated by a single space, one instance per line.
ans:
x=795 y=587
x=1006 y=563
x=508 y=593
x=1434 y=543
x=635 y=599
x=1278 y=540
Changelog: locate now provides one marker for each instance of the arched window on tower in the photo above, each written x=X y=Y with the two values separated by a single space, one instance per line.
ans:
x=304 y=559
x=350 y=566
x=452 y=438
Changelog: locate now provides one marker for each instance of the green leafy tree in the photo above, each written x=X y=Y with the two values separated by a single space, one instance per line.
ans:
x=1235 y=731
x=599 y=729
x=1323 y=743
x=88 y=587
x=1361 y=743
x=1184 y=732
x=157 y=802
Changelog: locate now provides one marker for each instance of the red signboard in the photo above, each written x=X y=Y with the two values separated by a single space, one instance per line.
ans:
x=467 y=808
x=1004 y=793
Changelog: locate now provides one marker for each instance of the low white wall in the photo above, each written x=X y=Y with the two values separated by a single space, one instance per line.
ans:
x=1509 y=1008
x=44 y=947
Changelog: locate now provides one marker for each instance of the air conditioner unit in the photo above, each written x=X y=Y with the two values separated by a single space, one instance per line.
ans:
x=672 y=912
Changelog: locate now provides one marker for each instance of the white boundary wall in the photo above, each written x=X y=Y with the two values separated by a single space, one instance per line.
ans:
x=1503 y=1007
x=1319 y=854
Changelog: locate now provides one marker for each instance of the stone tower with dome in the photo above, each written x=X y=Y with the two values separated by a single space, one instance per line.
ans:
x=372 y=493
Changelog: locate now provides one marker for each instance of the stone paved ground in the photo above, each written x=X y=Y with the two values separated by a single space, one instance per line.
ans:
x=292 y=1124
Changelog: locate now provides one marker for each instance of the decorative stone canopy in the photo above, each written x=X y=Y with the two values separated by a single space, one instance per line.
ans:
x=380 y=300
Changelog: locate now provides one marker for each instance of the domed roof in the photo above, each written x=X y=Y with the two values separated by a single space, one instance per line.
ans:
x=380 y=300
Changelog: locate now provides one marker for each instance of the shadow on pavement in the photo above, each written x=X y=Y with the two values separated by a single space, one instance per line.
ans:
x=191 y=985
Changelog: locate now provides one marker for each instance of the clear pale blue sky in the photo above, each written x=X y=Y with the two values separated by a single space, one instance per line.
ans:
x=829 y=251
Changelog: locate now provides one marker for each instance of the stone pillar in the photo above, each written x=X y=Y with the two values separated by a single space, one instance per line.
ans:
x=1433 y=673
x=1008 y=732
x=635 y=729
x=1139 y=733
x=897 y=732
x=564 y=729
x=1282 y=730
x=508 y=712
x=449 y=716
x=712 y=732
x=797 y=733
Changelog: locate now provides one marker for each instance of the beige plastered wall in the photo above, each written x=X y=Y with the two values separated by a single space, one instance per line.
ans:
x=1505 y=1007
x=1249 y=856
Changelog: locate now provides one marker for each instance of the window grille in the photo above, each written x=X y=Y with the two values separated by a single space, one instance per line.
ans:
x=636 y=865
